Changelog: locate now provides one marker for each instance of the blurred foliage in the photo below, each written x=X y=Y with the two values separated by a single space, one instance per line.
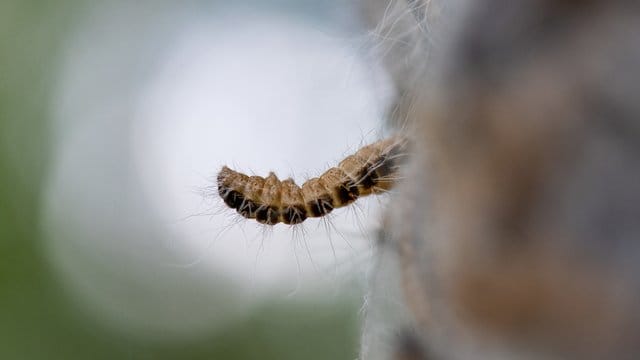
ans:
x=38 y=319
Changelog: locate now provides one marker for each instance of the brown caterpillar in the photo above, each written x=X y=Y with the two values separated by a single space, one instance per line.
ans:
x=371 y=170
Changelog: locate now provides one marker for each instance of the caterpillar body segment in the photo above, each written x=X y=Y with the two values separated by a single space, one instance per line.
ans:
x=371 y=170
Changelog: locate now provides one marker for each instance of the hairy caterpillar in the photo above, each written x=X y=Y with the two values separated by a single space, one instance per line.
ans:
x=371 y=170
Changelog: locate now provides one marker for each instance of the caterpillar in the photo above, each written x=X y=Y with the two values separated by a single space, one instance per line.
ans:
x=373 y=169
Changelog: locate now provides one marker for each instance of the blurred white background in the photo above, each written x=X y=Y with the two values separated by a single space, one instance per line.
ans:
x=152 y=99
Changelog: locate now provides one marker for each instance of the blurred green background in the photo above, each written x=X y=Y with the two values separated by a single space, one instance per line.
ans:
x=39 y=317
